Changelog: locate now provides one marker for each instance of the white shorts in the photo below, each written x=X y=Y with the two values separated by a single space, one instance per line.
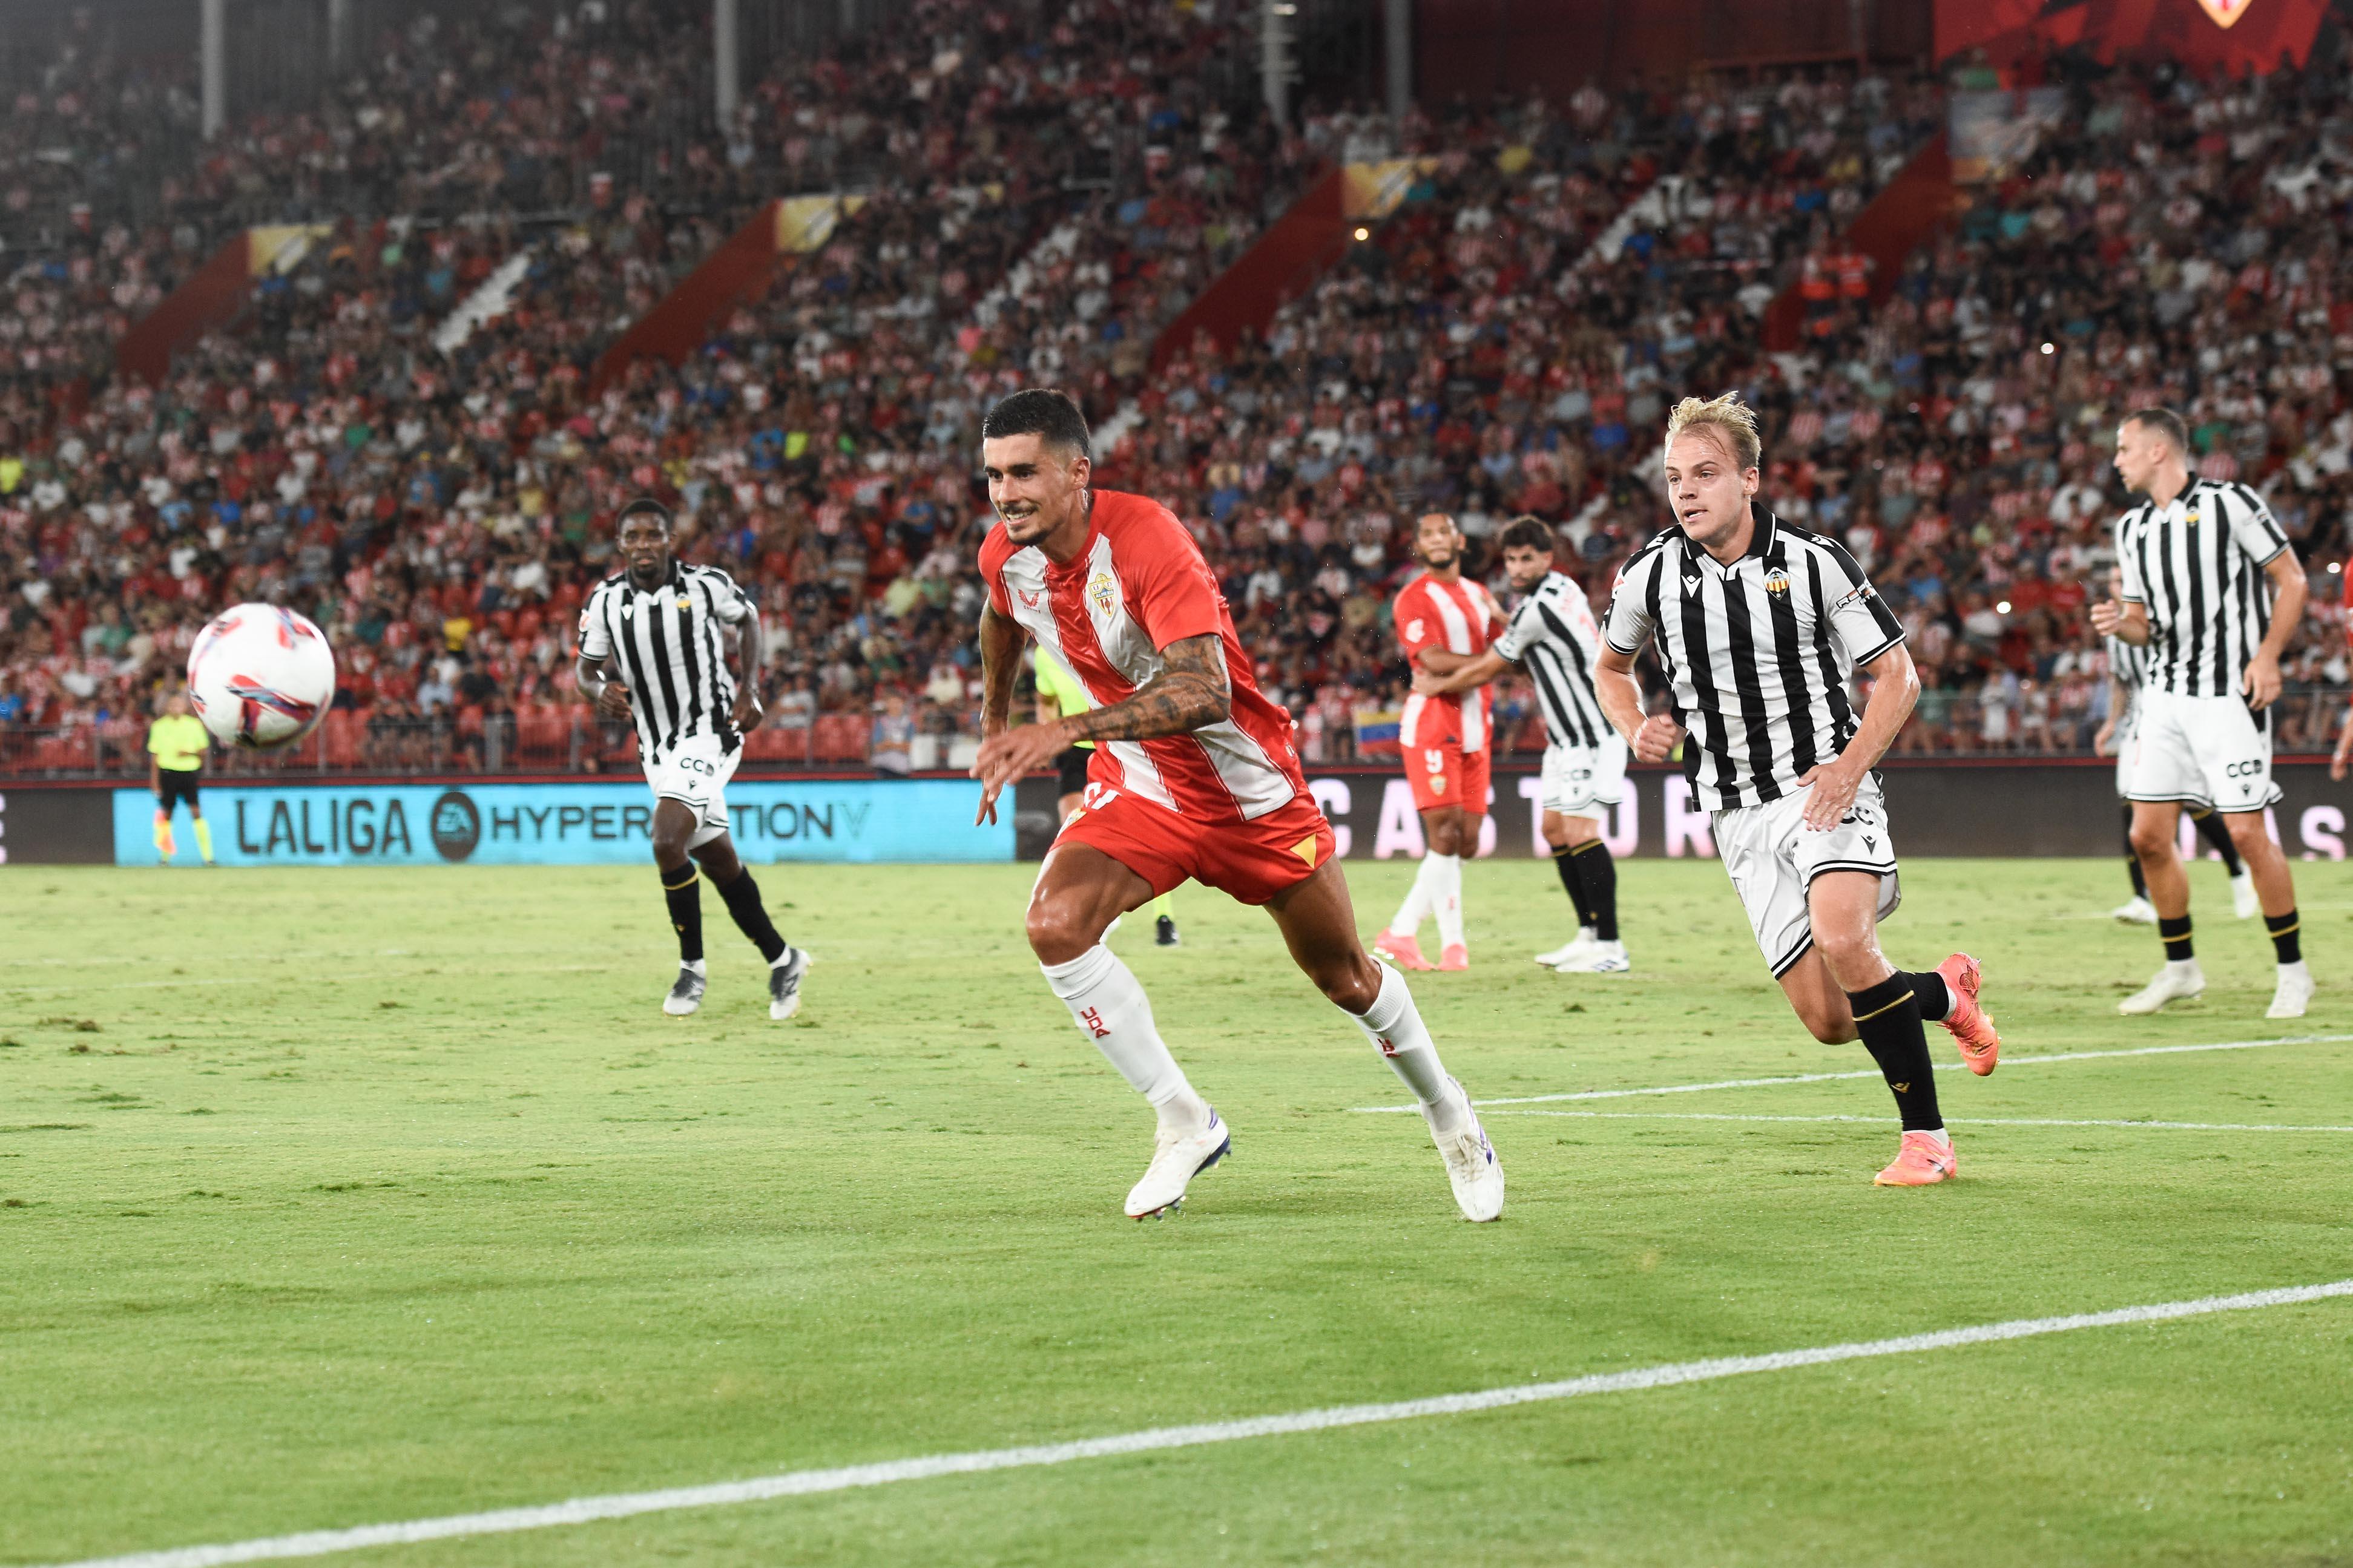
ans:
x=1773 y=858
x=2203 y=751
x=2124 y=739
x=1579 y=779
x=696 y=775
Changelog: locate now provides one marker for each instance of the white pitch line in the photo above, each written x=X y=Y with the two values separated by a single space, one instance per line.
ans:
x=1950 y=1120
x=804 y=1483
x=1873 y=1072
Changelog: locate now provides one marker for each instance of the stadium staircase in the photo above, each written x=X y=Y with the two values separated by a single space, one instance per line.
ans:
x=493 y=298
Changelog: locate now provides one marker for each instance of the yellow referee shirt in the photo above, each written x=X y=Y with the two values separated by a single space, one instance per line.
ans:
x=1062 y=688
x=178 y=741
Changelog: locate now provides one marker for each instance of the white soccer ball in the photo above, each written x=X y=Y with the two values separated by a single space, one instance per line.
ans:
x=260 y=677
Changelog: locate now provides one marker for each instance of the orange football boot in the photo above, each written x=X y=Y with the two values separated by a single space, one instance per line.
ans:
x=1972 y=1027
x=1921 y=1162
x=1455 y=957
x=1402 y=950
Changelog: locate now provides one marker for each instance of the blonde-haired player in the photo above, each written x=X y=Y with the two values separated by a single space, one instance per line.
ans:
x=1759 y=627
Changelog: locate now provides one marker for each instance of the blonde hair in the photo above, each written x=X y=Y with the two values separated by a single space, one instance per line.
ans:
x=1734 y=422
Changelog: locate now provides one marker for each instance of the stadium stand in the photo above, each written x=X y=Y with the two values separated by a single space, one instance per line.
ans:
x=402 y=429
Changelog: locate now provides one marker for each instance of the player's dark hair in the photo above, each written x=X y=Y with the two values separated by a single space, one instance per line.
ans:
x=1526 y=532
x=1043 y=411
x=2166 y=423
x=644 y=506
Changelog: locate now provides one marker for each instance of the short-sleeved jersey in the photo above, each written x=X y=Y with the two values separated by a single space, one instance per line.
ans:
x=1756 y=654
x=1460 y=617
x=672 y=645
x=1553 y=637
x=178 y=741
x=2197 y=562
x=1137 y=585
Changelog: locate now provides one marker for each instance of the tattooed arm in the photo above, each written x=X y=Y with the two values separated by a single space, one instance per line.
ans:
x=1001 y=638
x=1190 y=692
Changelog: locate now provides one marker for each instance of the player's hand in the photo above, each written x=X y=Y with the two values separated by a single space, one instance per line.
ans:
x=1011 y=754
x=2107 y=615
x=1428 y=685
x=1835 y=784
x=1656 y=741
x=2262 y=681
x=612 y=703
x=748 y=711
x=2335 y=763
x=2101 y=737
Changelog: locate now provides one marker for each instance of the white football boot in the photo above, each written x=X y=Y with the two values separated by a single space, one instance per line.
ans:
x=1567 y=949
x=784 y=982
x=1471 y=1168
x=1601 y=958
x=1177 y=1159
x=2135 y=910
x=687 y=995
x=2294 y=992
x=2243 y=900
x=2174 y=983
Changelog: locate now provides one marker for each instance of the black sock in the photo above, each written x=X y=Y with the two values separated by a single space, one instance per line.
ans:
x=1598 y=872
x=2284 y=941
x=2217 y=834
x=1888 y=1016
x=2132 y=857
x=683 y=889
x=1565 y=862
x=742 y=896
x=1928 y=989
x=2176 y=933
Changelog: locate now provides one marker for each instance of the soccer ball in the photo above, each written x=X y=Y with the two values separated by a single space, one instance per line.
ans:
x=260 y=677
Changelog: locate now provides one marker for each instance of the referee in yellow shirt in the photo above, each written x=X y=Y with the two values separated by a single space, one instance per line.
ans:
x=176 y=745
x=1060 y=694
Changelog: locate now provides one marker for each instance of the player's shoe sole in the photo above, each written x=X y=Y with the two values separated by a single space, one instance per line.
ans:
x=1402 y=951
x=1177 y=1159
x=2167 y=987
x=1471 y=1168
x=784 y=983
x=686 y=996
x=1971 y=1026
x=1922 y=1161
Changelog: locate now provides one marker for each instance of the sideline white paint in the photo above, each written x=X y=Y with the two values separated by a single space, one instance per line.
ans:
x=1950 y=1122
x=1873 y=1072
x=803 y=1483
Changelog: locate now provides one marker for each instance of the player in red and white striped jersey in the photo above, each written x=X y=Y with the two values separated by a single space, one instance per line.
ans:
x=1194 y=775
x=1444 y=620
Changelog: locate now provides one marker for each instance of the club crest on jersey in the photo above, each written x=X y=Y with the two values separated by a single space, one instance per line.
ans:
x=1104 y=593
x=684 y=603
x=1776 y=580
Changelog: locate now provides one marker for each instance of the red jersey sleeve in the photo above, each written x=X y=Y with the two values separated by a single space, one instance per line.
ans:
x=1163 y=575
x=1418 y=626
x=996 y=550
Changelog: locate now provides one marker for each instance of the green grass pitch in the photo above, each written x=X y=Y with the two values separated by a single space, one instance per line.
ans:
x=341 y=1198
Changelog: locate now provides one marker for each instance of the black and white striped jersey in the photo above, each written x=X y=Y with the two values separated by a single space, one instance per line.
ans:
x=672 y=647
x=2197 y=562
x=2128 y=667
x=1756 y=654
x=1553 y=637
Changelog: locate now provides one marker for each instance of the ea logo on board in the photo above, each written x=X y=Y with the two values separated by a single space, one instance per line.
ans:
x=457 y=826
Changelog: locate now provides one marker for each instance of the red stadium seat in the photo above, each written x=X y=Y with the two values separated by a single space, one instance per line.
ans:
x=841 y=737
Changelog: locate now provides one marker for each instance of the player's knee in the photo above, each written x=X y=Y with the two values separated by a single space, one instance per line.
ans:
x=1060 y=930
x=1352 y=985
x=2150 y=841
x=1852 y=958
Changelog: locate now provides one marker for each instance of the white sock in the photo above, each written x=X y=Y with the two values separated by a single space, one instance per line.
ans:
x=1416 y=908
x=1941 y=1136
x=2296 y=969
x=1446 y=900
x=696 y=965
x=2182 y=968
x=1394 y=1025
x=1110 y=1007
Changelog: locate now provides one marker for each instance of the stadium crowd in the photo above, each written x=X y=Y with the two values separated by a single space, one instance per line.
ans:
x=1055 y=194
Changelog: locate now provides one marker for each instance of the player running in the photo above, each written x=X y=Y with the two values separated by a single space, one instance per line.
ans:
x=2194 y=560
x=1194 y=775
x=2128 y=673
x=1059 y=696
x=1759 y=627
x=666 y=629
x=1443 y=621
x=1552 y=634
x=176 y=745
